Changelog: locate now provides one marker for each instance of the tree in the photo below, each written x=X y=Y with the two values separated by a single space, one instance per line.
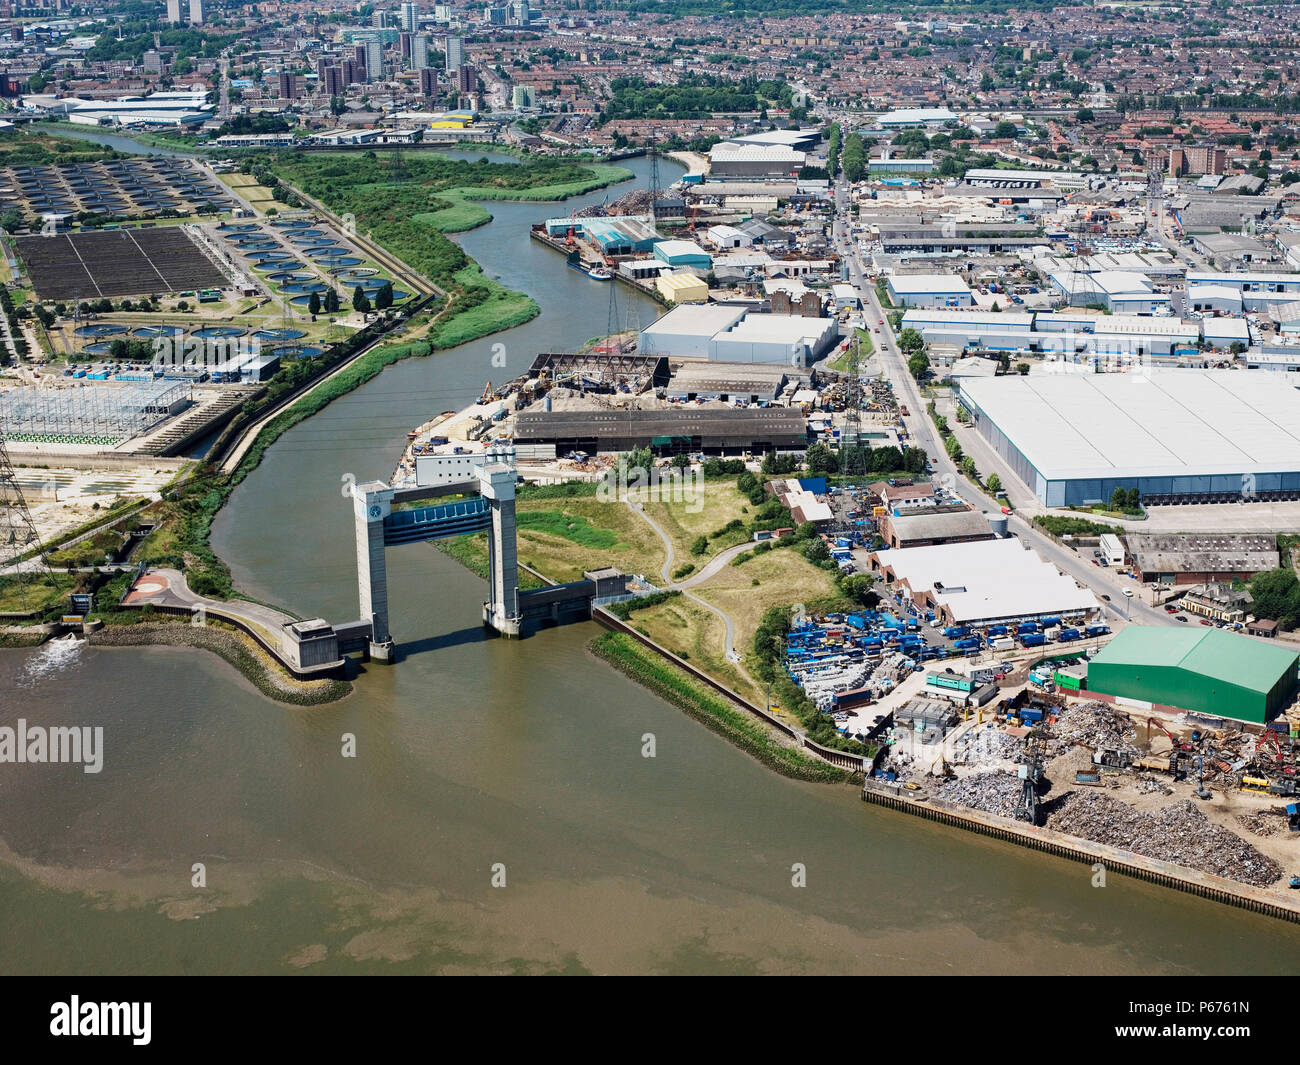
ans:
x=993 y=484
x=331 y=301
x=821 y=459
x=859 y=586
x=1022 y=368
x=968 y=468
x=1004 y=130
x=1118 y=499
x=360 y=302
x=910 y=341
x=1276 y=595
x=313 y=304
x=816 y=551
x=699 y=545
x=384 y=297
x=918 y=365
x=953 y=447
x=1084 y=114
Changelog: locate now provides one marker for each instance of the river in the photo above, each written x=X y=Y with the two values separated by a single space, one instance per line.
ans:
x=475 y=754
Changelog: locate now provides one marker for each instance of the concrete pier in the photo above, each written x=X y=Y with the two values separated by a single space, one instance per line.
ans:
x=501 y=611
x=372 y=502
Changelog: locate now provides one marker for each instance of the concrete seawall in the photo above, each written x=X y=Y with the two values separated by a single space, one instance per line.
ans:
x=853 y=763
x=1166 y=874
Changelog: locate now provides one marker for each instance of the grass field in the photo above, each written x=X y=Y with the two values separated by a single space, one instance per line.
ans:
x=37 y=593
x=564 y=538
x=722 y=503
x=696 y=634
x=784 y=576
x=258 y=196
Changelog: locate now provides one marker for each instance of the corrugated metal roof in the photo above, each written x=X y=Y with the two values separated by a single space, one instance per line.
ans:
x=1213 y=653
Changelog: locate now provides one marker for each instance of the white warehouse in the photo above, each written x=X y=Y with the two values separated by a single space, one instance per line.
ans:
x=929 y=290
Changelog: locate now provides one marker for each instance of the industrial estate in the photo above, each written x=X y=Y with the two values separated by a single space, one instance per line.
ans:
x=943 y=436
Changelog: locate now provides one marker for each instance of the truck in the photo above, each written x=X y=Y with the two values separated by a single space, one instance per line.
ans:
x=1026 y=627
x=1033 y=639
x=1097 y=630
x=970 y=643
x=1068 y=635
x=1002 y=643
x=996 y=630
x=954 y=632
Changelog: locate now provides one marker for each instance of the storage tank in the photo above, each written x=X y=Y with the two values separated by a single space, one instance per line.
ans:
x=998 y=523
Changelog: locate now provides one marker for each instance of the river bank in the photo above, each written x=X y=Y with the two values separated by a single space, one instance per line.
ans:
x=475 y=750
x=674 y=685
x=477 y=306
x=258 y=667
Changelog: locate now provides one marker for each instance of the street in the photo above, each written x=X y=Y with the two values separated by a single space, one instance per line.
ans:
x=921 y=433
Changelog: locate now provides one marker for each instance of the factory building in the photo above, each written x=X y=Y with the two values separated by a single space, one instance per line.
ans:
x=1120 y=292
x=929 y=290
x=682 y=288
x=730 y=160
x=687 y=331
x=922 y=239
x=929 y=528
x=620 y=236
x=1198 y=558
x=982 y=582
x=915 y=118
x=1259 y=291
x=728 y=382
x=993 y=178
x=1114 y=334
x=756 y=430
x=978 y=330
x=1206 y=671
x=1223 y=333
x=789 y=339
x=682 y=254
x=724 y=333
x=1177 y=436
x=1214 y=299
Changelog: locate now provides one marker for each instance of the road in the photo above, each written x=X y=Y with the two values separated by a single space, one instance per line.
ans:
x=223 y=109
x=921 y=433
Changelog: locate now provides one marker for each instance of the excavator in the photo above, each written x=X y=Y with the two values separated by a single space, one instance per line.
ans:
x=1179 y=745
x=1269 y=734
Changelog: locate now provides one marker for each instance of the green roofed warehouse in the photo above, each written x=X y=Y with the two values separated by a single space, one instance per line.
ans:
x=1208 y=672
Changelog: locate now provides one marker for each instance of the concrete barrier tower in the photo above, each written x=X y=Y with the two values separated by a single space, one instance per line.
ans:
x=497 y=486
x=371 y=504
